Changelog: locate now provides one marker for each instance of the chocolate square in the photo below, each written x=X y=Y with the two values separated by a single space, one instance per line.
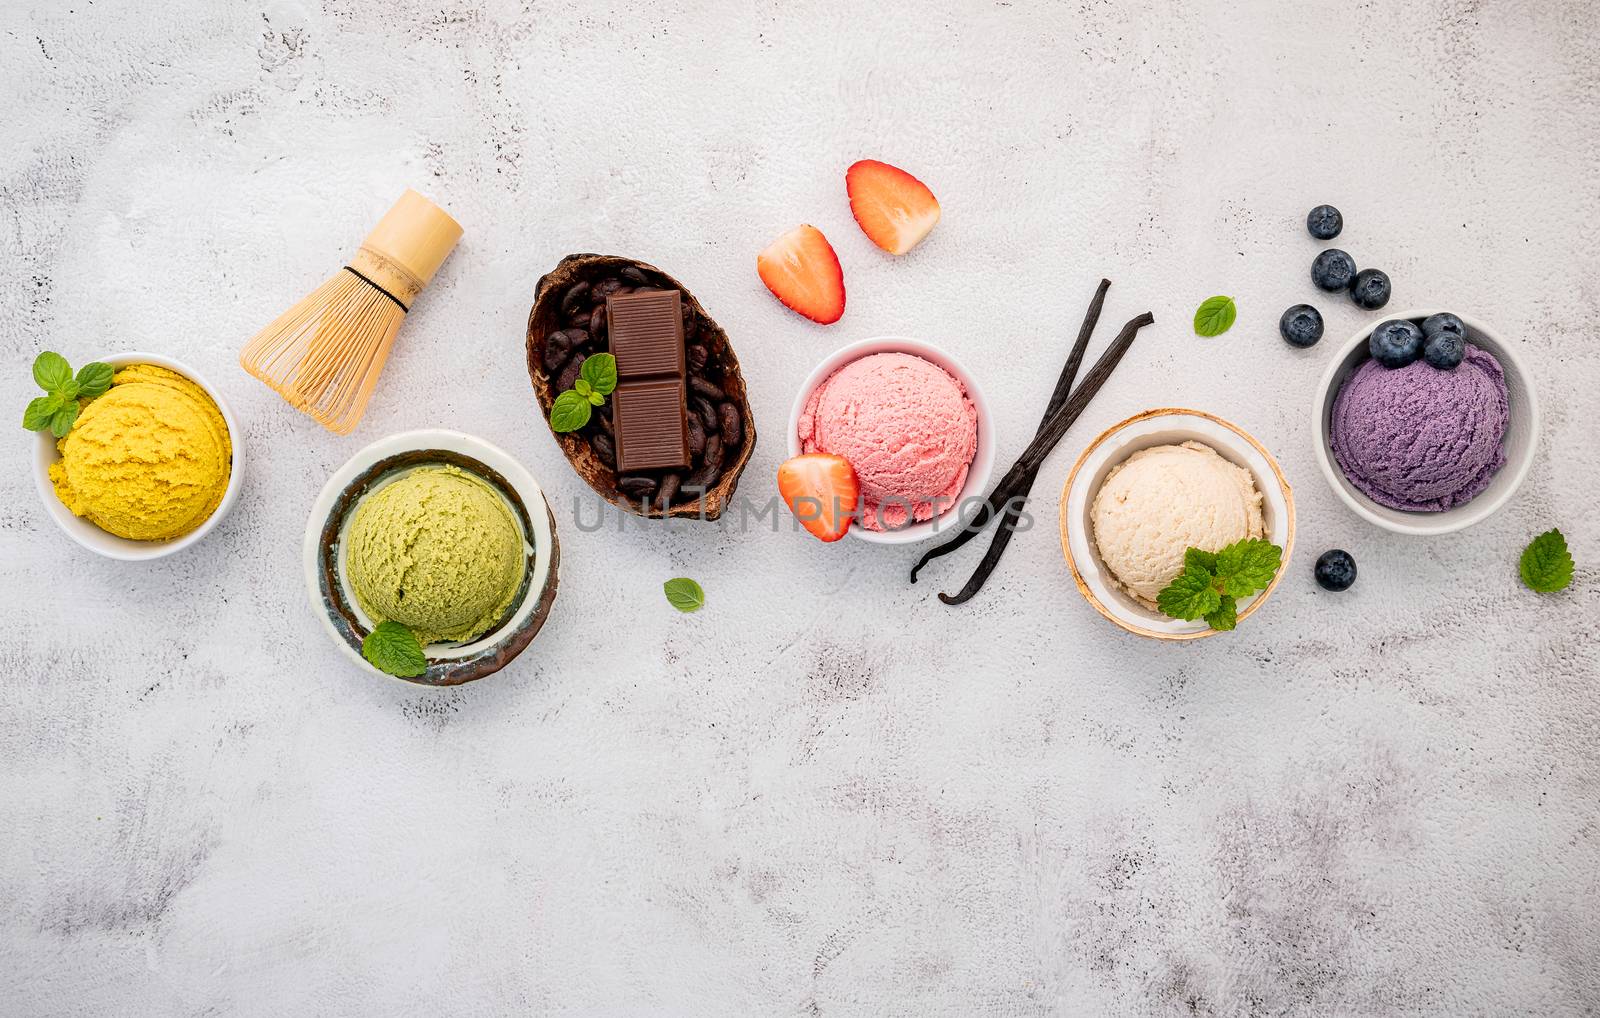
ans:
x=651 y=428
x=646 y=333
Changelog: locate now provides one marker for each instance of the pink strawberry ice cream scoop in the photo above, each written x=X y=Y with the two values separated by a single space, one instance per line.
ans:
x=906 y=426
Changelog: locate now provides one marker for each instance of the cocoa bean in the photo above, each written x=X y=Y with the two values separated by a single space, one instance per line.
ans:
x=696 y=355
x=636 y=486
x=570 y=300
x=697 y=436
x=710 y=467
x=704 y=387
x=569 y=374
x=634 y=275
x=557 y=346
x=707 y=412
x=669 y=490
x=731 y=429
x=597 y=322
x=605 y=449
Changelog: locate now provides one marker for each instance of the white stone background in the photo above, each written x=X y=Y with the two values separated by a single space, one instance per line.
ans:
x=826 y=793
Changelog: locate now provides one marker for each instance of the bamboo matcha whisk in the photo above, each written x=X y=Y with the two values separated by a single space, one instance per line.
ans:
x=324 y=354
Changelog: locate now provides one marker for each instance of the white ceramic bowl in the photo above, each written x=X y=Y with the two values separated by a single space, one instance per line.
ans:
x=110 y=545
x=982 y=459
x=1165 y=426
x=1522 y=434
x=449 y=664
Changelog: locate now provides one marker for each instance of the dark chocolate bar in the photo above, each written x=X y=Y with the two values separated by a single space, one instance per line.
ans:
x=651 y=429
x=650 y=404
x=646 y=329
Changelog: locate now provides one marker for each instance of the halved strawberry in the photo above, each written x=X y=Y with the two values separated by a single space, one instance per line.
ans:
x=801 y=270
x=822 y=491
x=895 y=209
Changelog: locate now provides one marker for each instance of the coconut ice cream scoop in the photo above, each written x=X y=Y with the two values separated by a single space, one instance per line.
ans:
x=1160 y=502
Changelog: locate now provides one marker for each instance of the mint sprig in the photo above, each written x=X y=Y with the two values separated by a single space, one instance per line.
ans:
x=1212 y=583
x=50 y=371
x=570 y=411
x=395 y=649
x=684 y=594
x=1190 y=595
x=1546 y=564
x=1245 y=567
x=58 y=409
x=596 y=380
x=1215 y=316
x=94 y=378
x=1226 y=615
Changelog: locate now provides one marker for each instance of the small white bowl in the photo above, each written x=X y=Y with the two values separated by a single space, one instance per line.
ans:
x=449 y=664
x=982 y=459
x=1521 y=441
x=110 y=545
x=1165 y=426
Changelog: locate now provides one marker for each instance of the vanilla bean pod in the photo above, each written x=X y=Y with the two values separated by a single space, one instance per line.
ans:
x=1013 y=508
x=1045 y=441
x=1069 y=373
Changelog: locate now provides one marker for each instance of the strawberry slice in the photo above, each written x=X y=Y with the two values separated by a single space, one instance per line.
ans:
x=801 y=270
x=895 y=209
x=822 y=491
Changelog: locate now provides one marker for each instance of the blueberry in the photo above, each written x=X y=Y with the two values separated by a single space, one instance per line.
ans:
x=1444 y=349
x=1395 y=343
x=1336 y=570
x=1333 y=270
x=1370 y=289
x=1324 y=222
x=1443 y=321
x=1301 y=326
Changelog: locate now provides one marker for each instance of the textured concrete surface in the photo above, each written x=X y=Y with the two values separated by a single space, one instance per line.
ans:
x=826 y=793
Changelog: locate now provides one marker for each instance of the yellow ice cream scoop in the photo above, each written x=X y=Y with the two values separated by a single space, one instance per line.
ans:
x=149 y=460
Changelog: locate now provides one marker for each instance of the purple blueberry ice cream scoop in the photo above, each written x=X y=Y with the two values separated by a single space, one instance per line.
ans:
x=1420 y=439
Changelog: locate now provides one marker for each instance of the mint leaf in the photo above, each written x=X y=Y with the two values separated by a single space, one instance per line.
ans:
x=600 y=371
x=39 y=412
x=596 y=399
x=1199 y=557
x=64 y=418
x=394 y=649
x=1226 y=616
x=1245 y=567
x=683 y=593
x=1546 y=564
x=1215 y=316
x=94 y=379
x=1189 y=596
x=581 y=387
x=570 y=411
x=51 y=371
x=1212 y=583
